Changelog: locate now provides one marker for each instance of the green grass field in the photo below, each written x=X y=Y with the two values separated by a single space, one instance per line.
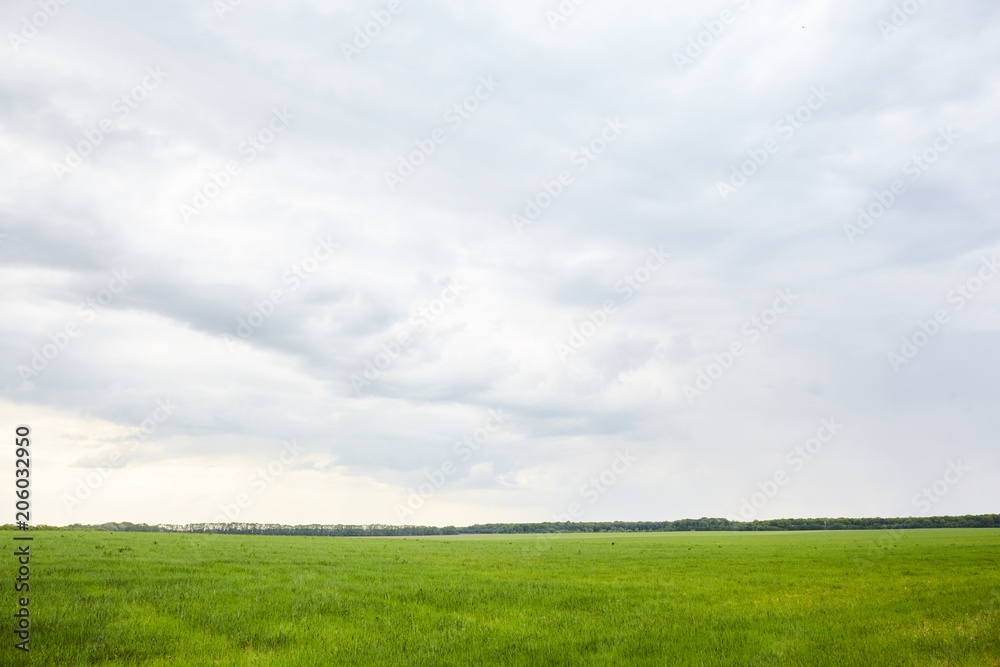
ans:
x=808 y=598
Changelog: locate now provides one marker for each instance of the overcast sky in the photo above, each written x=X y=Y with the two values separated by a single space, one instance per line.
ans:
x=448 y=262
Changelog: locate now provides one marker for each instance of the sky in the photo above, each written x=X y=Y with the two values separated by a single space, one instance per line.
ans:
x=444 y=263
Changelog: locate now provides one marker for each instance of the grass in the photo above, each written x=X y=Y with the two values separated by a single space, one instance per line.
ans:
x=809 y=598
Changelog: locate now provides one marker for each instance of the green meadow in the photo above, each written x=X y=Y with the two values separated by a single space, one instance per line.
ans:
x=921 y=597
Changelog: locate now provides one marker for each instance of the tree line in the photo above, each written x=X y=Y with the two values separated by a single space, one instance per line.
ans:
x=703 y=524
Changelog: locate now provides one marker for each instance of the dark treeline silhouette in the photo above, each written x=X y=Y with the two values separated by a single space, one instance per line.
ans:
x=704 y=524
